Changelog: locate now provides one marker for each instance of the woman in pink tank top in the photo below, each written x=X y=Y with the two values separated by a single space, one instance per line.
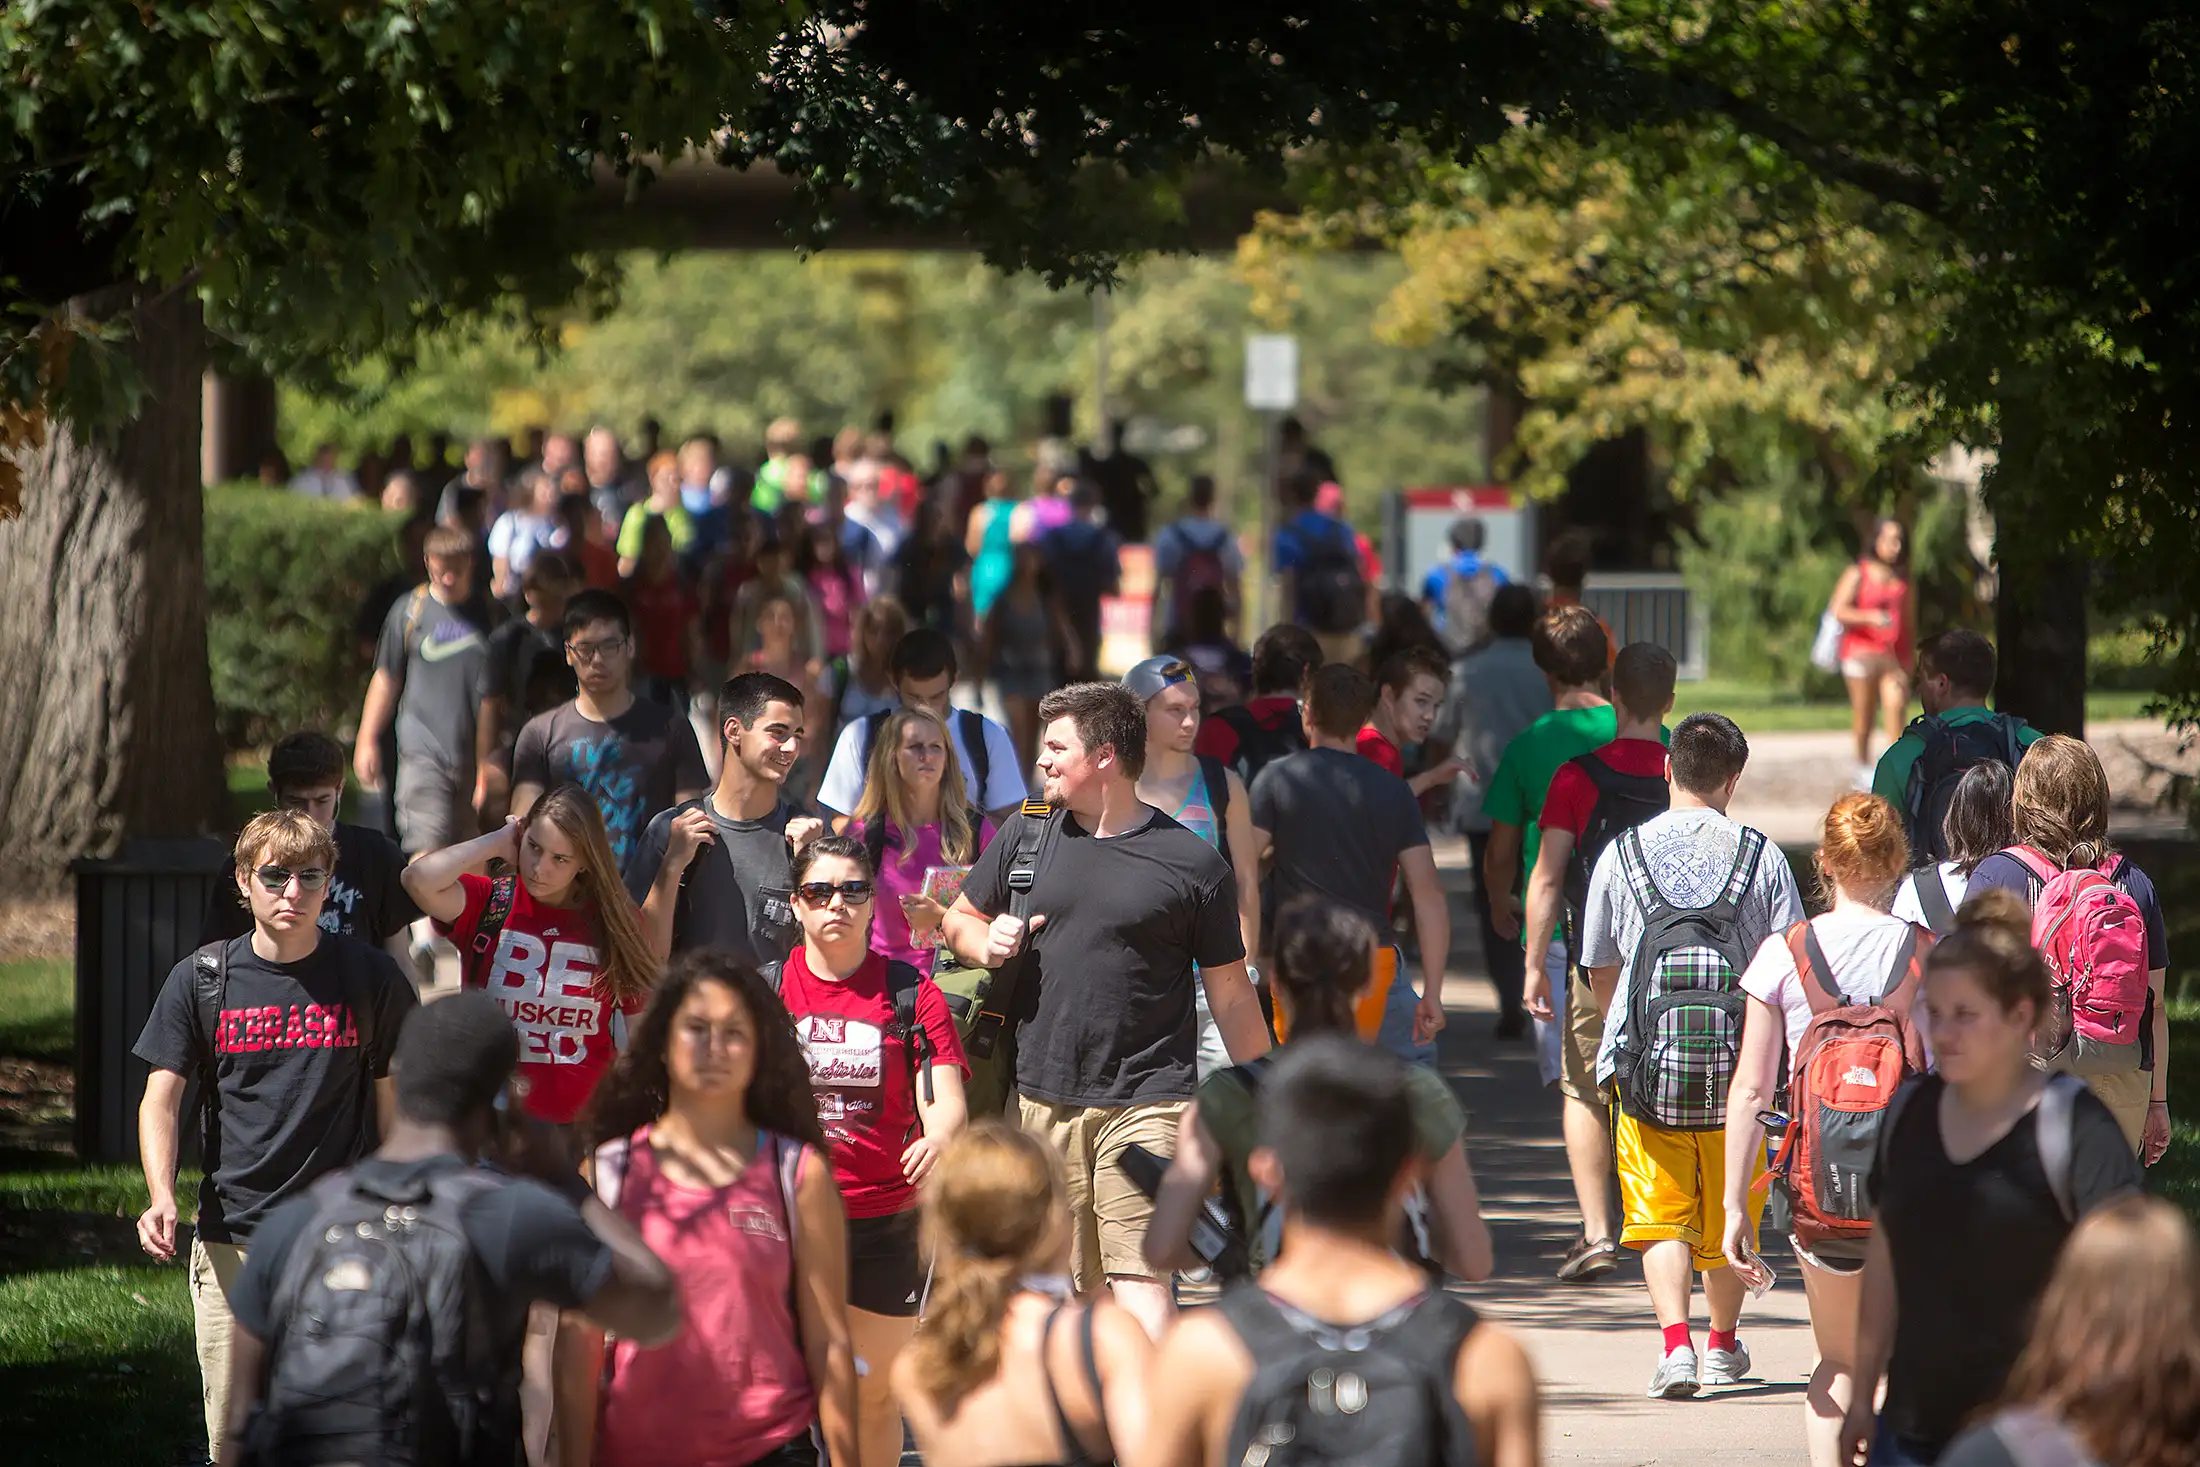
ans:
x=1876 y=604
x=708 y=1142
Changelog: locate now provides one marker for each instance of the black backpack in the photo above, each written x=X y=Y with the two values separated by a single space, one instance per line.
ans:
x=1372 y=1395
x=1332 y=592
x=1259 y=746
x=382 y=1351
x=1676 y=1059
x=1950 y=750
x=970 y=725
x=1624 y=801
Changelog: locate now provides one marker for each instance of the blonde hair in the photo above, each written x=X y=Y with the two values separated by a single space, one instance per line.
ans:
x=885 y=796
x=2059 y=801
x=995 y=1209
x=283 y=838
x=1863 y=852
x=627 y=968
x=2119 y=1363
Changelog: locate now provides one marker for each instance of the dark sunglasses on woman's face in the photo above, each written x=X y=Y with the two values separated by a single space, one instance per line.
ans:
x=818 y=893
x=275 y=878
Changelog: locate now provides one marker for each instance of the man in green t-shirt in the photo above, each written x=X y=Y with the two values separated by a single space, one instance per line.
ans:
x=1572 y=649
x=1955 y=675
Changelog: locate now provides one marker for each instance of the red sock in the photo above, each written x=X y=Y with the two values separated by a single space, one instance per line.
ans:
x=1724 y=1339
x=1676 y=1337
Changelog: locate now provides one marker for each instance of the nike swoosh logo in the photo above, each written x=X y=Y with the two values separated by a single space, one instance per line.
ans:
x=434 y=651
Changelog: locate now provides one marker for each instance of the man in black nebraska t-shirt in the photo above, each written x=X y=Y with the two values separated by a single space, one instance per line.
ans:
x=289 y=1031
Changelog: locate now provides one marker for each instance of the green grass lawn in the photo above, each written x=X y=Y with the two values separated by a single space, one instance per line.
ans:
x=1761 y=709
x=38 y=1009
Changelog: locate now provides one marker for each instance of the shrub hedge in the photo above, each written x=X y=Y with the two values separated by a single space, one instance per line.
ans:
x=285 y=577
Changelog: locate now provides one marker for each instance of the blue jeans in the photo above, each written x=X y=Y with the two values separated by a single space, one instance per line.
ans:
x=1396 y=1035
x=1890 y=1449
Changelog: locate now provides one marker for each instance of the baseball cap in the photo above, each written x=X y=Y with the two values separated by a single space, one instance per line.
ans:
x=1149 y=679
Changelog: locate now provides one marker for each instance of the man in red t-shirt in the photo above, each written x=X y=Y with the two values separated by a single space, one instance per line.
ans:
x=1642 y=694
x=1268 y=725
x=1411 y=686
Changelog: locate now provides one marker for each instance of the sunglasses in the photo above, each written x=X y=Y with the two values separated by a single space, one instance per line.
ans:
x=275 y=878
x=818 y=893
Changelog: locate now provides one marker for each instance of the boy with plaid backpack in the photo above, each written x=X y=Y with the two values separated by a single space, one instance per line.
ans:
x=1676 y=908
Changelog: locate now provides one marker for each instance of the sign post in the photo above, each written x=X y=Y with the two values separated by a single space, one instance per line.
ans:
x=1272 y=389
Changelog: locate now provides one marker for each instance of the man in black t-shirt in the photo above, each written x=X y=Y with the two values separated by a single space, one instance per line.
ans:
x=549 y=1241
x=1344 y=828
x=288 y=1032
x=635 y=756
x=305 y=772
x=712 y=872
x=529 y=673
x=1124 y=903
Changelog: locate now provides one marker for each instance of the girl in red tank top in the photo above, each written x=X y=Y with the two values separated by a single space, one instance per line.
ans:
x=1876 y=604
x=707 y=1139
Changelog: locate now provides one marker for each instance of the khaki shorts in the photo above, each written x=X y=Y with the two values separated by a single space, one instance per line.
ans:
x=2126 y=1096
x=1577 y=1050
x=1108 y=1214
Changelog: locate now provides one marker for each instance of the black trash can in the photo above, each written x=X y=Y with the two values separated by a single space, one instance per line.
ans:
x=138 y=914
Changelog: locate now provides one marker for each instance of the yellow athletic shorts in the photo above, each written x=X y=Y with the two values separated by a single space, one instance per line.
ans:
x=1672 y=1184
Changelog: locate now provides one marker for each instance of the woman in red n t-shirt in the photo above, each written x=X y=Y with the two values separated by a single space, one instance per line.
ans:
x=567 y=958
x=884 y=1121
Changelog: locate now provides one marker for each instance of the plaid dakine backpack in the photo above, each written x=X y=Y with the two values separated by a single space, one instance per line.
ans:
x=1683 y=1035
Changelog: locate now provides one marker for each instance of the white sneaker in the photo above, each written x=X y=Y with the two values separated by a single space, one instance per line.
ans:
x=1675 y=1379
x=1726 y=1367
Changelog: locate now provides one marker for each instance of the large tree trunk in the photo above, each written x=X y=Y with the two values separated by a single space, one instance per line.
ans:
x=2039 y=632
x=108 y=725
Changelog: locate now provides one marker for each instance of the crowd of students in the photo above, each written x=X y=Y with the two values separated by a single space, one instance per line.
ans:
x=819 y=1101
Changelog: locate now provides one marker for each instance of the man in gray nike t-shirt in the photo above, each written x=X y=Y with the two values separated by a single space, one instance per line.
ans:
x=432 y=674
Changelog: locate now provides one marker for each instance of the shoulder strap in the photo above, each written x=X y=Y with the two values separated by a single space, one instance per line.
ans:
x=874 y=841
x=869 y=724
x=495 y=912
x=1635 y=866
x=1931 y=890
x=611 y=1163
x=1905 y=965
x=773 y=973
x=2012 y=732
x=1258 y=1322
x=1748 y=851
x=1217 y=775
x=2035 y=862
x=1034 y=837
x=1814 y=969
x=981 y=757
x=2057 y=1138
x=209 y=989
x=416 y=607
x=901 y=991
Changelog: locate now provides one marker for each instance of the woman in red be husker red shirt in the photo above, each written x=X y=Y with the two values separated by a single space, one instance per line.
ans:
x=889 y=1098
x=565 y=955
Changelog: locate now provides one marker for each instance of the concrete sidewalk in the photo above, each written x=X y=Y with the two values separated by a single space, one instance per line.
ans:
x=1595 y=1345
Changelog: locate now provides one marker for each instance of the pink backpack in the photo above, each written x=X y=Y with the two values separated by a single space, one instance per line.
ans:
x=2095 y=941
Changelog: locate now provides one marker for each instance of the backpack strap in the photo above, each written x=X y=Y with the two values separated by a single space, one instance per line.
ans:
x=1217 y=777
x=495 y=912
x=1635 y=866
x=972 y=727
x=1033 y=839
x=209 y=990
x=2057 y=1137
x=1258 y=1322
x=1748 y=851
x=1812 y=964
x=874 y=841
x=901 y=991
x=773 y=973
x=2034 y=862
x=1931 y=891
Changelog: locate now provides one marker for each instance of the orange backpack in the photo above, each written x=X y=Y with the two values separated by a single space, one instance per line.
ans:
x=1849 y=1063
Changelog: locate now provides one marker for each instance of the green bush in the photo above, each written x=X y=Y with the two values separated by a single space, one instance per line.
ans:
x=284 y=580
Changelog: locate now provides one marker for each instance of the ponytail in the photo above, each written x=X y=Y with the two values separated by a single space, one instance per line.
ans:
x=1324 y=956
x=995 y=1210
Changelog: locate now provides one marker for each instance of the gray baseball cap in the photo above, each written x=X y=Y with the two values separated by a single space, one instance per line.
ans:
x=1149 y=679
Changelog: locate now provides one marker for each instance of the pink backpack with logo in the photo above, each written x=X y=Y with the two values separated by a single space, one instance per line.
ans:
x=2095 y=941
